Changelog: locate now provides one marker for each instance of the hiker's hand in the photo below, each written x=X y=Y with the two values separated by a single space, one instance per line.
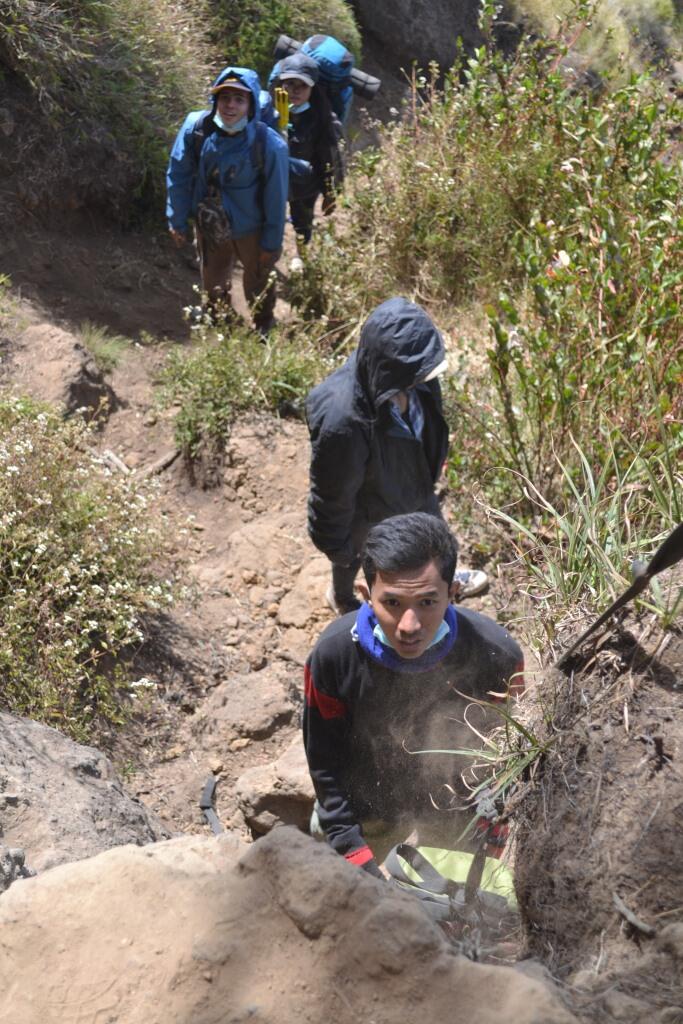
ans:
x=179 y=237
x=343 y=558
x=268 y=259
x=373 y=868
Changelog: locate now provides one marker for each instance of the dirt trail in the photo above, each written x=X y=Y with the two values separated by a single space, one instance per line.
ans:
x=227 y=665
x=260 y=604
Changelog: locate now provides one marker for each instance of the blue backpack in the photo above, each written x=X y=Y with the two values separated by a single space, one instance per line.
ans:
x=336 y=64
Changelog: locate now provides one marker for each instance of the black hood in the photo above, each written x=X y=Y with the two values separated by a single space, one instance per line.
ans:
x=399 y=345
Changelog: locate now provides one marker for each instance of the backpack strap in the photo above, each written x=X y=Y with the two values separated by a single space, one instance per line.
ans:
x=203 y=127
x=258 y=158
x=429 y=878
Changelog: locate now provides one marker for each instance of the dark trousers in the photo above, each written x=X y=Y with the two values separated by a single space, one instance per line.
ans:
x=217 y=264
x=344 y=576
x=302 y=211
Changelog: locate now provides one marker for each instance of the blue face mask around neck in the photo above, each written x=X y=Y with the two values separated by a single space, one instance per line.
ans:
x=230 y=129
x=300 y=109
x=441 y=632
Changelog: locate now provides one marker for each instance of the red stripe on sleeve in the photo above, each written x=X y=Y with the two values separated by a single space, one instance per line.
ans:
x=517 y=684
x=359 y=857
x=329 y=707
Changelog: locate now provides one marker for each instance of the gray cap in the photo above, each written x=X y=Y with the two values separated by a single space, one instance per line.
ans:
x=301 y=66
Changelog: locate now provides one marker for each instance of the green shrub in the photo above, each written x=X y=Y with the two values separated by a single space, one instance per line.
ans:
x=435 y=211
x=231 y=372
x=598 y=331
x=77 y=554
x=246 y=32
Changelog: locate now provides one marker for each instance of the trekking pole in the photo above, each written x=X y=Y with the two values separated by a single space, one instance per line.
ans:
x=282 y=107
x=666 y=555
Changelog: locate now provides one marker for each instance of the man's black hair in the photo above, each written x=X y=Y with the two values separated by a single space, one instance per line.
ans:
x=409 y=542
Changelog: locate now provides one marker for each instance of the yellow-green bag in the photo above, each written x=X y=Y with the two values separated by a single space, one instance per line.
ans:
x=439 y=879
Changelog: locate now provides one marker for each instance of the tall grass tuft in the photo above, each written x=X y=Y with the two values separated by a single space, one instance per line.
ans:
x=578 y=549
x=230 y=372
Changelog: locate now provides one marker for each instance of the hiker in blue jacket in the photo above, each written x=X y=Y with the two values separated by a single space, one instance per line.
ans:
x=228 y=172
x=392 y=679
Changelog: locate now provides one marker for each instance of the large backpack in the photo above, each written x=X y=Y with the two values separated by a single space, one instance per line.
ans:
x=336 y=64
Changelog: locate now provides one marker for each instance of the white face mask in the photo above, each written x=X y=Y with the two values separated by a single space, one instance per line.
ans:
x=301 y=107
x=231 y=129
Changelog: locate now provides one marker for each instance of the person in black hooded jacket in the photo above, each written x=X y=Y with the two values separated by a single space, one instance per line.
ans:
x=313 y=134
x=378 y=438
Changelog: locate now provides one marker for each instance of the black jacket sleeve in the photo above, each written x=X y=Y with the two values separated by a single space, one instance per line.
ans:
x=339 y=458
x=326 y=740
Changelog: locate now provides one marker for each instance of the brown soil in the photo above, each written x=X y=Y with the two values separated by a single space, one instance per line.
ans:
x=603 y=828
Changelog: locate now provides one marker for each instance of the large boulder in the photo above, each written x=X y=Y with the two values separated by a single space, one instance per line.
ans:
x=277 y=793
x=420 y=30
x=206 y=930
x=60 y=801
x=253 y=706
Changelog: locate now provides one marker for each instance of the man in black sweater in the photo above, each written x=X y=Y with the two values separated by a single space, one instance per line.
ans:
x=392 y=680
x=378 y=441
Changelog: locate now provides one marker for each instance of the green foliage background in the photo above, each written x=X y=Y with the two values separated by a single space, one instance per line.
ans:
x=249 y=30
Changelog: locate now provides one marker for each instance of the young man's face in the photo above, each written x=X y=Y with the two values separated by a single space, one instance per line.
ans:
x=232 y=105
x=297 y=91
x=409 y=607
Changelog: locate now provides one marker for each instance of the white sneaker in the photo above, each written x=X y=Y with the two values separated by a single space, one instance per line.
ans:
x=470 y=582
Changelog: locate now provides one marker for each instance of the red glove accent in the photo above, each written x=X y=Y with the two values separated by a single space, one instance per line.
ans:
x=359 y=857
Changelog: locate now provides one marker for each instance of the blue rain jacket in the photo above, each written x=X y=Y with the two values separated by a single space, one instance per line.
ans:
x=253 y=200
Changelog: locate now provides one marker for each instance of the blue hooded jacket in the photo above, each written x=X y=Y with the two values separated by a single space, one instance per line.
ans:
x=242 y=185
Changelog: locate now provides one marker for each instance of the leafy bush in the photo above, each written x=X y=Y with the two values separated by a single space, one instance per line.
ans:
x=230 y=373
x=435 y=211
x=252 y=27
x=77 y=554
x=598 y=331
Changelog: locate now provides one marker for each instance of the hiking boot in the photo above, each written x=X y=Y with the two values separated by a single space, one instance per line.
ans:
x=352 y=604
x=264 y=329
x=469 y=583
